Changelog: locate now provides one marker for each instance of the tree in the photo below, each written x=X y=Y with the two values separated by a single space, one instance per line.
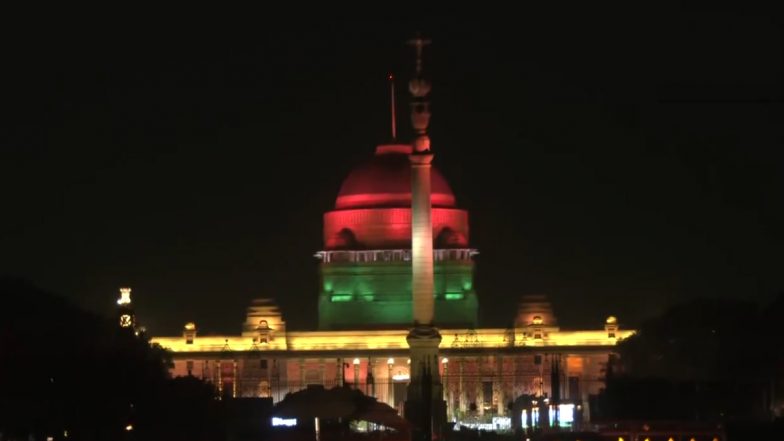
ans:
x=704 y=359
x=65 y=369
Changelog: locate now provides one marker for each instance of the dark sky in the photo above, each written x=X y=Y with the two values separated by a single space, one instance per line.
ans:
x=617 y=164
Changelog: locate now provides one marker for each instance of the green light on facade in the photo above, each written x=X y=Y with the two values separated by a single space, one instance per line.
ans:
x=454 y=296
x=341 y=298
x=367 y=297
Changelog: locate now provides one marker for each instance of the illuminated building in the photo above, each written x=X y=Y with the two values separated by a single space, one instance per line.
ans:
x=367 y=307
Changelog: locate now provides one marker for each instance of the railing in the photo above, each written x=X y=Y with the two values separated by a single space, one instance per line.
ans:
x=361 y=256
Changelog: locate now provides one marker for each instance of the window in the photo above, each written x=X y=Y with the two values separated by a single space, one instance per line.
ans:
x=263 y=364
x=189 y=367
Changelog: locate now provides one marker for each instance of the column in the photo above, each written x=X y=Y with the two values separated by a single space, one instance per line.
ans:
x=447 y=389
x=322 y=372
x=356 y=373
x=500 y=385
x=370 y=381
x=390 y=383
x=234 y=380
x=302 y=373
x=461 y=387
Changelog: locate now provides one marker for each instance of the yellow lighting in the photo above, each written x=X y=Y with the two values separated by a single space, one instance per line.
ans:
x=190 y=326
x=620 y=438
x=394 y=339
x=125 y=296
x=129 y=427
x=391 y=361
x=126 y=321
x=647 y=439
x=670 y=439
x=356 y=361
x=538 y=320
x=611 y=320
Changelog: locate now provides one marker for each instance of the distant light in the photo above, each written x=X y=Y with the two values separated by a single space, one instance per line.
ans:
x=538 y=320
x=356 y=361
x=391 y=361
x=445 y=360
x=400 y=377
x=190 y=326
x=129 y=427
x=566 y=415
x=611 y=320
x=125 y=296
x=620 y=438
x=408 y=361
x=285 y=422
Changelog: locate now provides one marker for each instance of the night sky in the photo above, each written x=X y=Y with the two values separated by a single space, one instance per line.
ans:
x=617 y=165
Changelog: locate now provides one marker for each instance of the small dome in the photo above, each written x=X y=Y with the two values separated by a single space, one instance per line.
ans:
x=611 y=320
x=385 y=181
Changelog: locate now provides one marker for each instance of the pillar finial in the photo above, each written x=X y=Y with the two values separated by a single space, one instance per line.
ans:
x=420 y=105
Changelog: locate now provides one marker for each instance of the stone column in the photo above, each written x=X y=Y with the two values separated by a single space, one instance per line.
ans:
x=390 y=383
x=234 y=380
x=302 y=373
x=499 y=361
x=461 y=387
x=370 y=379
x=421 y=239
x=356 y=373
x=220 y=379
x=447 y=389
x=322 y=373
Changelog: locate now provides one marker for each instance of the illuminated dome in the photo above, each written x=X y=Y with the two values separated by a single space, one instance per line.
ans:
x=385 y=181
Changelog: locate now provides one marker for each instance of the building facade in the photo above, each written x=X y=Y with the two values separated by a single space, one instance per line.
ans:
x=365 y=314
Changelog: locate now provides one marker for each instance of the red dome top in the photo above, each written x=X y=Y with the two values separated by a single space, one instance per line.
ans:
x=385 y=181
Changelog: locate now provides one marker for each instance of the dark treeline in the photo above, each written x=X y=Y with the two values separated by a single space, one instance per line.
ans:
x=68 y=372
x=704 y=360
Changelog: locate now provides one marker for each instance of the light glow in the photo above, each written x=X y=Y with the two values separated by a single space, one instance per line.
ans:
x=341 y=298
x=565 y=415
x=129 y=427
x=400 y=377
x=125 y=296
x=283 y=422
